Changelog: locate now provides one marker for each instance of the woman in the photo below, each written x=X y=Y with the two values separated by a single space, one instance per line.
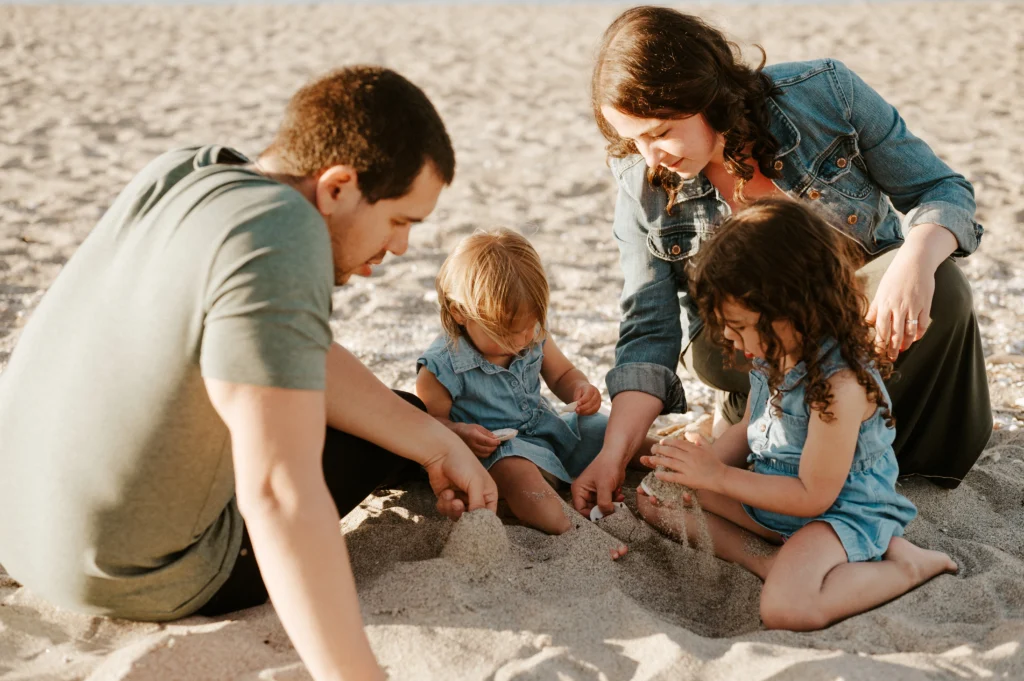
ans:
x=694 y=134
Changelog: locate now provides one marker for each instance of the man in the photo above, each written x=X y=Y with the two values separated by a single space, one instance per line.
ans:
x=179 y=376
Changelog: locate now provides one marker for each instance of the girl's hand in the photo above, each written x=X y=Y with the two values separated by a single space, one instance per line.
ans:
x=686 y=463
x=480 y=440
x=587 y=398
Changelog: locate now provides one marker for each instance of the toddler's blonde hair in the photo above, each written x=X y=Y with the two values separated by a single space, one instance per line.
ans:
x=492 y=278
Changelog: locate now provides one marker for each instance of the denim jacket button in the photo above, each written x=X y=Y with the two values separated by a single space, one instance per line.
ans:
x=852 y=219
x=514 y=382
x=675 y=249
x=814 y=195
x=841 y=162
x=778 y=165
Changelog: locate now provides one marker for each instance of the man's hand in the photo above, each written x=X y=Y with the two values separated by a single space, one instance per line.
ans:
x=461 y=484
x=587 y=398
x=480 y=440
x=600 y=484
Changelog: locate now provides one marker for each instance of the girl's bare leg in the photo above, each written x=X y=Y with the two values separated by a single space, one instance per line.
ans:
x=529 y=496
x=811 y=585
x=736 y=537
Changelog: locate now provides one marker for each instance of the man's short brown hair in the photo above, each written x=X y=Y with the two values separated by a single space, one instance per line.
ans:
x=369 y=118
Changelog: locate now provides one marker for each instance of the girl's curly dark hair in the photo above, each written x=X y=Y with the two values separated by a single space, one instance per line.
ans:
x=779 y=259
x=656 y=62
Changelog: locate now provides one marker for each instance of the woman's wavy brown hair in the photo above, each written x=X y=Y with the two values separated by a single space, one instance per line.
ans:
x=656 y=62
x=779 y=259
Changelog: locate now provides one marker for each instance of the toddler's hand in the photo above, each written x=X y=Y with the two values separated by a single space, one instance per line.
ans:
x=480 y=440
x=587 y=399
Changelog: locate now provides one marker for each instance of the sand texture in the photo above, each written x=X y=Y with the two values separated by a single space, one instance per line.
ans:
x=88 y=95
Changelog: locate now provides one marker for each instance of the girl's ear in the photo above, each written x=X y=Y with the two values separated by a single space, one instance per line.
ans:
x=457 y=315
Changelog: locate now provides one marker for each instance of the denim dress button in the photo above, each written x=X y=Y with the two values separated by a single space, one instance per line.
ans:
x=852 y=219
x=814 y=195
x=841 y=162
x=778 y=165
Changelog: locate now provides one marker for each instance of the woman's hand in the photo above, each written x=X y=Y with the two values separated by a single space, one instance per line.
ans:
x=480 y=440
x=600 y=484
x=686 y=464
x=587 y=398
x=901 y=309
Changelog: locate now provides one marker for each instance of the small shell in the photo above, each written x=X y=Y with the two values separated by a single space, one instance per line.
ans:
x=596 y=513
x=645 y=488
x=504 y=434
x=567 y=408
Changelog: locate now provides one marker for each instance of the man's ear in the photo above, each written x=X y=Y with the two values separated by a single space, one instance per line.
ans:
x=337 y=190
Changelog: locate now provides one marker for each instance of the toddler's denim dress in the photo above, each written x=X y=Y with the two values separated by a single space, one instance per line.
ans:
x=869 y=511
x=495 y=397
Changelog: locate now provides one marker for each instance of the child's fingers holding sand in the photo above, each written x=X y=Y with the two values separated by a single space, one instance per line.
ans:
x=686 y=463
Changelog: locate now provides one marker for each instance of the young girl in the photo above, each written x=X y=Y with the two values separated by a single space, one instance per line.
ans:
x=483 y=375
x=811 y=465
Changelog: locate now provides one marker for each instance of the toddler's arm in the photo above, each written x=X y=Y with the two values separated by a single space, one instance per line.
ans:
x=439 y=405
x=824 y=464
x=568 y=382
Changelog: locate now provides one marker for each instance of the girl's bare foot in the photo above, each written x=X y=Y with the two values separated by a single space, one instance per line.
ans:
x=920 y=564
x=619 y=551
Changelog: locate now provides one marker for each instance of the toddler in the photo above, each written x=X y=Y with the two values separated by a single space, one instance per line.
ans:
x=481 y=376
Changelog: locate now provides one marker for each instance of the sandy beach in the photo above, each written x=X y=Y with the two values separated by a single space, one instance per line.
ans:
x=88 y=95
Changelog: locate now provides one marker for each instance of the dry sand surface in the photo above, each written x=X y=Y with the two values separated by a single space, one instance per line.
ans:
x=89 y=95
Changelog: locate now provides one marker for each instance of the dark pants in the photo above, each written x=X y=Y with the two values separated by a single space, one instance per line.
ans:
x=939 y=388
x=353 y=468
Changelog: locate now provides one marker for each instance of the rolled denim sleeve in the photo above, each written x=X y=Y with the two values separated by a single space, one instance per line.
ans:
x=650 y=332
x=917 y=181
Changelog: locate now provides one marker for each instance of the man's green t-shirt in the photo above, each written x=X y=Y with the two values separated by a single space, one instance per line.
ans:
x=116 y=479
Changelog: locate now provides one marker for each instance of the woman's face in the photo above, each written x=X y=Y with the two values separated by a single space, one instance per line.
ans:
x=683 y=145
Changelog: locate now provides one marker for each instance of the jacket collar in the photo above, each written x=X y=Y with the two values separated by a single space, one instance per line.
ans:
x=782 y=129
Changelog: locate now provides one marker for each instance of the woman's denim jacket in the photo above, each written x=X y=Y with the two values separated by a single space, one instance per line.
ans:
x=842 y=149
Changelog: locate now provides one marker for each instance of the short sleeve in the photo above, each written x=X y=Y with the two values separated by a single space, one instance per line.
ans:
x=438 y=362
x=268 y=294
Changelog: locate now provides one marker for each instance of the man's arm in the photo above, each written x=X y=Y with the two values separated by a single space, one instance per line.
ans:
x=277 y=438
x=359 y=404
